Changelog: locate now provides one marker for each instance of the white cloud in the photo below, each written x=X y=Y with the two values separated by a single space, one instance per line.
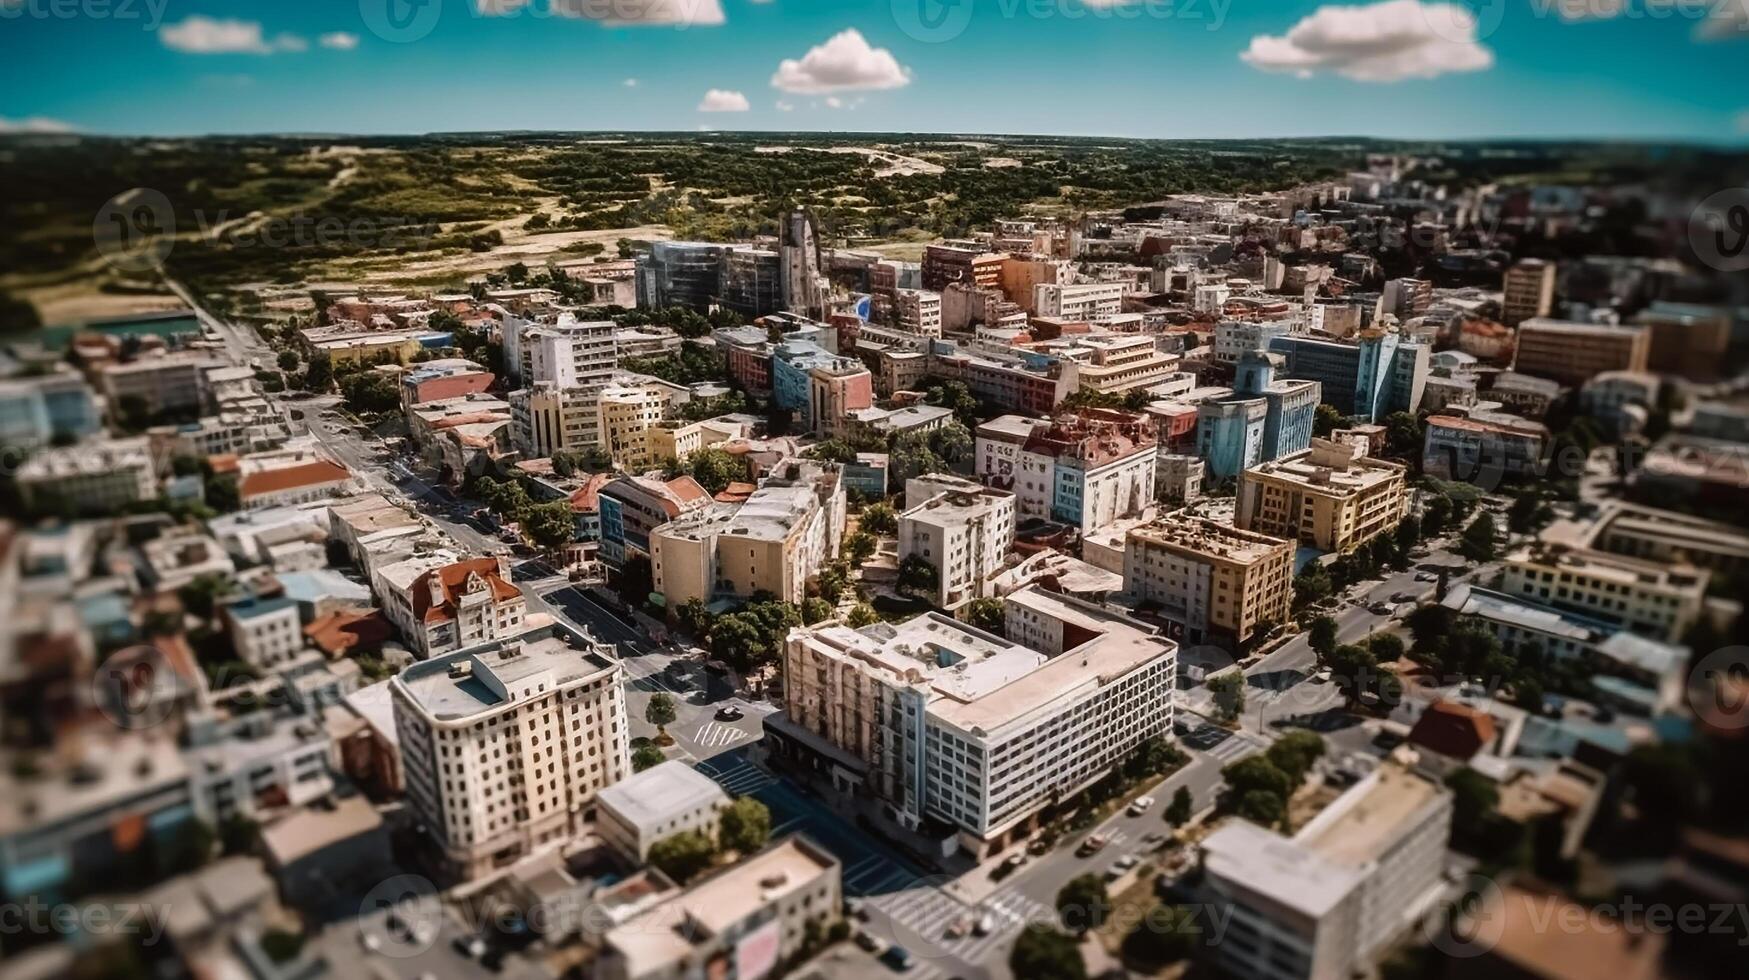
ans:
x=846 y=62
x=206 y=35
x=628 y=13
x=834 y=102
x=723 y=100
x=338 y=40
x=1381 y=42
x=783 y=106
x=630 y=83
x=34 y=124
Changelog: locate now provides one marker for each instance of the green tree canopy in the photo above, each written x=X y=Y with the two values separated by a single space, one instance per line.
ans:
x=1044 y=953
x=745 y=825
x=683 y=855
x=1083 y=904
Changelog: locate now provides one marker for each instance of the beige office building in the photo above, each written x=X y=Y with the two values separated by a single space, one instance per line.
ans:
x=1529 y=291
x=1572 y=353
x=1331 y=497
x=1219 y=584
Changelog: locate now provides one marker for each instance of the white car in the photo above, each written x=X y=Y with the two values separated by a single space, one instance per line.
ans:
x=1140 y=805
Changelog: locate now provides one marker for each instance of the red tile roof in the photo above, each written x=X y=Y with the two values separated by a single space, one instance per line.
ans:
x=584 y=499
x=1453 y=730
x=338 y=632
x=311 y=474
x=454 y=580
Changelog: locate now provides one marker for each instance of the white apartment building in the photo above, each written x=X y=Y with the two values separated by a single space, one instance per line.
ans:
x=961 y=527
x=570 y=353
x=937 y=719
x=918 y=311
x=505 y=745
x=1321 y=904
x=1115 y=365
x=1088 y=469
x=546 y=418
x=265 y=632
x=1077 y=301
x=663 y=800
x=1236 y=338
x=1647 y=597
x=89 y=478
x=1211 y=297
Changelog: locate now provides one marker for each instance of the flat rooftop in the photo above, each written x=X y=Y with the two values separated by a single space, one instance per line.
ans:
x=1264 y=862
x=1361 y=822
x=491 y=675
x=715 y=905
x=1206 y=537
x=771 y=513
x=647 y=799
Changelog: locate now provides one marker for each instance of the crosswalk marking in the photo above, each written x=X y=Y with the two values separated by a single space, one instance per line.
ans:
x=713 y=735
x=740 y=780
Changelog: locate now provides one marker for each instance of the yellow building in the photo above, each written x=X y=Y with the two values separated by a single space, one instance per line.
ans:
x=628 y=413
x=771 y=543
x=399 y=347
x=673 y=441
x=1219 y=583
x=1331 y=497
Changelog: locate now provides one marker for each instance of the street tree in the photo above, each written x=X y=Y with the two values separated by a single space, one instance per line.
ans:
x=1178 y=810
x=1083 y=904
x=745 y=825
x=661 y=713
x=1044 y=953
x=1321 y=636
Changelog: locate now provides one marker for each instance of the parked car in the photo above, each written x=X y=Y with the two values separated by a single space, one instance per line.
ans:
x=729 y=712
x=867 y=941
x=985 y=924
x=898 y=957
x=1140 y=805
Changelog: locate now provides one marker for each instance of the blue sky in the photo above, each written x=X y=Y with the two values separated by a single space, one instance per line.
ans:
x=1145 y=68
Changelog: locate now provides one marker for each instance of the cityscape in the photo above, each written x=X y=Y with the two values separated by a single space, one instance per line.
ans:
x=628 y=525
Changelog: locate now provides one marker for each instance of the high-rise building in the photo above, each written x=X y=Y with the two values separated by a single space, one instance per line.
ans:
x=947 y=725
x=1263 y=419
x=688 y=274
x=1529 y=291
x=803 y=288
x=752 y=281
x=1371 y=376
x=37 y=411
x=1331 y=497
x=505 y=744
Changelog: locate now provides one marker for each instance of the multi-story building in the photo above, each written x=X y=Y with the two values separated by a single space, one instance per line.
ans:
x=632 y=506
x=1324 y=902
x=1529 y=291
x=505 y=744
x=835 y=390
x=1116 y=365
x=547 y=419
x=1646 y=597
x=1371 y=376
x=756 y=915
x=431 y=381
x=89 y=478
x=456 y=605
x=1077 y=301
x=1481 y=450
x=284 y=477
x=1180 y=478
x=1621 y=400
x=792 y=365
x=1235 y=338
x=918 y=311
x=943 y=264
x=1263 y=419
x=54 y=407
x=1087 y=469
x=568 y=352
x=265 y=632
x=1572 y=353
x=159 y=384
x=752 y=281
x=962 y=528
x=943 y=723
x=774 y=541
x=1021 y=275
x=1012 y=383
x=1331 y=497
x=628 y=412
x=685 y=274
x=672 y=440
x=256 y=762
x=1406 y=298
x=1212 y=583
x=1667 y=536
x=1687 y=340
